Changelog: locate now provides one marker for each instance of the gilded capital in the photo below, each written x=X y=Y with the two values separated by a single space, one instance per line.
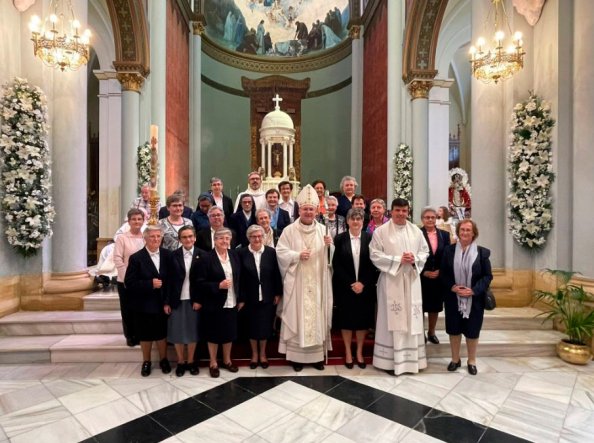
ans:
x=198 y=28
x=355 y=32
x=131 y=81
x=419 y=88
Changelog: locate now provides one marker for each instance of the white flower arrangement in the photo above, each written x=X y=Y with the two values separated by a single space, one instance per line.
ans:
x=530 y=207
x=403 y=172
x=143 y=164
x=25 y=183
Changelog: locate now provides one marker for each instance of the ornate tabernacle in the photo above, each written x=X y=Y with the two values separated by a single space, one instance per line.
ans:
x=277 y=142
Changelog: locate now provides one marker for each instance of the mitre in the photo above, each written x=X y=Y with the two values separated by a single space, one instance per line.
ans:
x=308 y=196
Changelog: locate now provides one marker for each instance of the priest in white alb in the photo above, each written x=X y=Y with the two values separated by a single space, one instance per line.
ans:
x=399 y=250
x=304 y=252
x=255 y=190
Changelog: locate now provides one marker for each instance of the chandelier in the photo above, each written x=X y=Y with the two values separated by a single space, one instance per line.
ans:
x=56 y=39
x=494 y=64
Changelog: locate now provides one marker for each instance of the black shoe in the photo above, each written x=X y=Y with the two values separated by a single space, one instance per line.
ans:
x=433 y=339
x=361 y=364
x=180 y=370
x=349 y=365
x=145 y=371
x=194 y=369
x=230 y=367
x=264 y=364
x=319 y=365
x=165 y=366
x=472 y=369
x=453 y=366
x=391 y=372
x=130 y=342
x=253 y=364
x=297 y=367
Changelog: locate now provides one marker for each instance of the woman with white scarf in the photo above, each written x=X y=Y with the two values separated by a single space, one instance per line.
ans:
x=466 y=271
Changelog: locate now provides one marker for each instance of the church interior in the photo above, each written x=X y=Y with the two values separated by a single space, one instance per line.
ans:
x=369 y=89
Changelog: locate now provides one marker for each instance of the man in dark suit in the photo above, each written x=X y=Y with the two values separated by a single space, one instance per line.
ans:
x=181 y=301
x=286 y=202
x=204 y=237
x=145 y=280
x=280 y=218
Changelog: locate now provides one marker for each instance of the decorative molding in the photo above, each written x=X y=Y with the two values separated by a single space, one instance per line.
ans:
x=128 y=20
x=370 y=12
x=241 y=93
x=419 y=89
x=198 y=28
x=131 y=81
x=423 y=23
x=277 y=65
x=355 y=32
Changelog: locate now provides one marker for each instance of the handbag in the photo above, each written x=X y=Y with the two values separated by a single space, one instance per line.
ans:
x=490 y=302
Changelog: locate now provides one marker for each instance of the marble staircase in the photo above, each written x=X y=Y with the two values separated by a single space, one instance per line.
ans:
x=95 y=335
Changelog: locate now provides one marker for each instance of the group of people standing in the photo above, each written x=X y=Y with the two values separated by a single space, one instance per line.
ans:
x=317 y=262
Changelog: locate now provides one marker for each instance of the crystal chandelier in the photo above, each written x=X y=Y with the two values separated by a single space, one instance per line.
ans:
x=494 y=64
x=56 y=39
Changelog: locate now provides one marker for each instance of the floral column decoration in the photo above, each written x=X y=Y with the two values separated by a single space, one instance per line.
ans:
x=26 y=168
x=530 y=207
x=403 y=173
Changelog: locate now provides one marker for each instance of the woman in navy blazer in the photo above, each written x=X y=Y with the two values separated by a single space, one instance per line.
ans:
x=354 y=290
x=466 y=274
x=217 y=280
x=181 y=303
x=261 y=288
x=146 y=285
x=432 y=287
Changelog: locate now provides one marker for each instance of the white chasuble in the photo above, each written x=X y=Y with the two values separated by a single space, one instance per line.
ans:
x=306 y=311
x=399 y=331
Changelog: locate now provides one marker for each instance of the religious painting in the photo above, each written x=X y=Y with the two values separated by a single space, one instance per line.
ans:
x=277 y=28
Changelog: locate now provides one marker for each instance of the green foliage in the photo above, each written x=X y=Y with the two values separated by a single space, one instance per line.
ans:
x=567 y=304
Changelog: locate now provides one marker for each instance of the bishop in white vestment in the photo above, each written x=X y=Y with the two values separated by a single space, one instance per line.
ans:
x=399 y=251
x=304 y=253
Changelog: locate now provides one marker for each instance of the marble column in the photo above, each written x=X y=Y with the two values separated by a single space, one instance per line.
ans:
x=158 y=39
x=395 y=112
x=438 y=147
x=195 y=110
x=583 y=134
x=131 y=85
x=110 y=153
x=419 y=91
x=488 y=139
x=356 y=101
x=69 y=176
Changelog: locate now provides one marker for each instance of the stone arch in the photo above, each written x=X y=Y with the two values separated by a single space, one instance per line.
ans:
x=131 y=39
x=423 y=20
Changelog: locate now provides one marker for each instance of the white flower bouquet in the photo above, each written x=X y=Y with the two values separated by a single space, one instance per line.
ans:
x=530 y=168
x=403 y=173
x=143 y=164
x=25 y=184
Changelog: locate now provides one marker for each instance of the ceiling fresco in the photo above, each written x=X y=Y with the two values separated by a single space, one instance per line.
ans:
x=277 y=28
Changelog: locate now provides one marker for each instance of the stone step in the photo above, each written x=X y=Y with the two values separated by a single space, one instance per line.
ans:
x=104 y=300
x=61 y=323
x=109 y=322
x=84 y=348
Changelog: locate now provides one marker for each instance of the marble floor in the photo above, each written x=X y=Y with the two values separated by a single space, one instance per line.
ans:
x=537 y=399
